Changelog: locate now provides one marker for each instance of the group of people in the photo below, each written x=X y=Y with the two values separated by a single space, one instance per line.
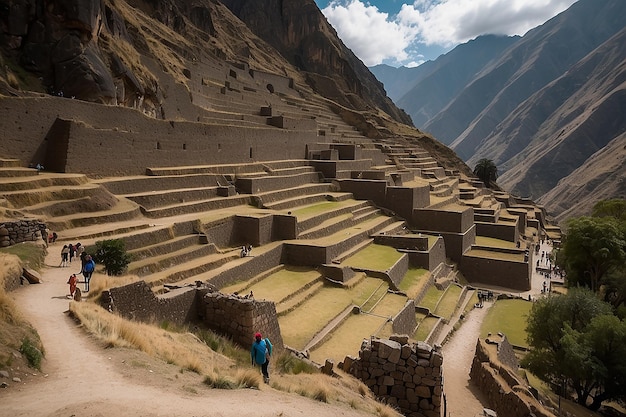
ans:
x=87 y=266
x=245 y=251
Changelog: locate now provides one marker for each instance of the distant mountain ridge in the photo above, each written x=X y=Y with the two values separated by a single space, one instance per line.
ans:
x=542 y=108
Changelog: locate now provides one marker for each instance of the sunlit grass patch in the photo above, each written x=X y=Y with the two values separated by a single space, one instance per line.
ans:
x=31 y=254
x=494 y=243
x=347 y=339
x=448 y=302
x=314 y=209
x=413 y=281
x=431 y=298
x=424 y=328
x=374 y=257
x=508 y=317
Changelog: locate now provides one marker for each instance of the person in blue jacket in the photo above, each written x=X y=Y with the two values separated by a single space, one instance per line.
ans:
x=88 y=269
x=261 y=352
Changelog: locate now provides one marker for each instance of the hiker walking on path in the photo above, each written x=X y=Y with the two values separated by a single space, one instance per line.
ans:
x=261 y=353
x=88 y=269
x=65 y=252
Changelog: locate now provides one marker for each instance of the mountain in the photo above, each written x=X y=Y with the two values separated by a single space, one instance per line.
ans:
x=542 y=108
x=301 y=33
x=435 y=83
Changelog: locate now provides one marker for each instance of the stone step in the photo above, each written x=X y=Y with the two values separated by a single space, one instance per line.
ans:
x=263 y=184
x=33 y=182
x=10 y=163
x=166 y=246
x=144 y=184
x=226 y=169
x=154 y=200
x=123 y=211
x=266 y=199
x=347 y=207
x=299 y=201
x=170 y=259
x=12 y=172
x=296 y=299
x=197 y=206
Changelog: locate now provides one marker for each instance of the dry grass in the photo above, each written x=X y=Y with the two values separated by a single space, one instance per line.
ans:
x=183 y=349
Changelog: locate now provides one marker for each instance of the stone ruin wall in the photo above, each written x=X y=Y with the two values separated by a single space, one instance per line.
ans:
x=407 y=376
x=240 y=318
x=505 y=393
x=84 y=129
x=137 y=302
x=12 y=233
x=235 y=317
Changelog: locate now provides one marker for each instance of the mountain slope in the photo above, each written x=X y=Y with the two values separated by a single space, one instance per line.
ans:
x=301 y=33
x=543 y=107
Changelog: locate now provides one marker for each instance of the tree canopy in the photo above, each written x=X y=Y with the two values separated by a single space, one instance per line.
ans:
x=576 y=339
x=486 y=171
x=593 y=253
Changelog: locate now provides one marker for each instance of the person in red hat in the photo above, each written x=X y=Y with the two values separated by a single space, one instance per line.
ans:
x=261 y=353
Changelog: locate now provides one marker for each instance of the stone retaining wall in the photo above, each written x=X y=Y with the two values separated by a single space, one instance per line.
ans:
x=505 y=393
x=137 y=302
x=407 y=376
x=12 y=233
x=405 y=322
x=235 y=317
x=241 y=318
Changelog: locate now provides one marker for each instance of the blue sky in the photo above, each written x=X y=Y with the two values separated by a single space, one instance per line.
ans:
x=401 y=32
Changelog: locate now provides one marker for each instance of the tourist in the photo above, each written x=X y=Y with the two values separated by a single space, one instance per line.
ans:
x=64 y=255
x=261 y=353
x=72 y=252
x=72 y=281
x=90 y=266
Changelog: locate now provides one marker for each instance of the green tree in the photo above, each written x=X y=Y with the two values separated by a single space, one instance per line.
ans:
x=554 y=324
x=486 y=171
x=595 y=360
x=615 y=208
x=112 y=254
x=592 y=247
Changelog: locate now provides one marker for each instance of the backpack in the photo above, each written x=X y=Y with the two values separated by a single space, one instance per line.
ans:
x=268 y=349
x=89 y=266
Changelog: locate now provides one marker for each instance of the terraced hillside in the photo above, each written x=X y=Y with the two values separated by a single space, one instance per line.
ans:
x=352 y=236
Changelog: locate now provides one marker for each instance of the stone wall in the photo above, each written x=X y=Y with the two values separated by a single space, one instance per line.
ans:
x=450 y=221
x=235 y=317
x=140 y=140
x=431 y=258
x=402 y=200
x=374 y=190
x=407 y=376
x=249 y=267
x=501 y=230
x=137 y=302
x=15 y=232
x=505 y=392
x=240 y=318
x=405 y=322
x=497 y=272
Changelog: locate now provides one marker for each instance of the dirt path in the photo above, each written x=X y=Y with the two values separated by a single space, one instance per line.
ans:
x=84 y=379
x=463 y=398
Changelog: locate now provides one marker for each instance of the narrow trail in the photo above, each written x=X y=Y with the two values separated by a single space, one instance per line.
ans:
x=84 y=379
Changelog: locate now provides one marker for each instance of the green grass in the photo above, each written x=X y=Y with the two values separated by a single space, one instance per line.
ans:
x=279 y=285
x=413 y=281
x=299 y=326
x=376 y=296
x=374 y=257
x=346 y=340
x=515 y=257
x=494 y=243
x=424 y=328
x=390 y=305
x=448 y=302
x=508 y=317
x=30 y=254
x=314 y=209
x=431 y=298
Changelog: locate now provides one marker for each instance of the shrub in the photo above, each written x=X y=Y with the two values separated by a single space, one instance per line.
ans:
x=219 y=382
x=32 y=353
x=287 y=363
x=112 y=254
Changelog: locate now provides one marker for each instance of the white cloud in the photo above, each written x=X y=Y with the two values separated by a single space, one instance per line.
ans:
x=371 y=35
x=375 y=36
